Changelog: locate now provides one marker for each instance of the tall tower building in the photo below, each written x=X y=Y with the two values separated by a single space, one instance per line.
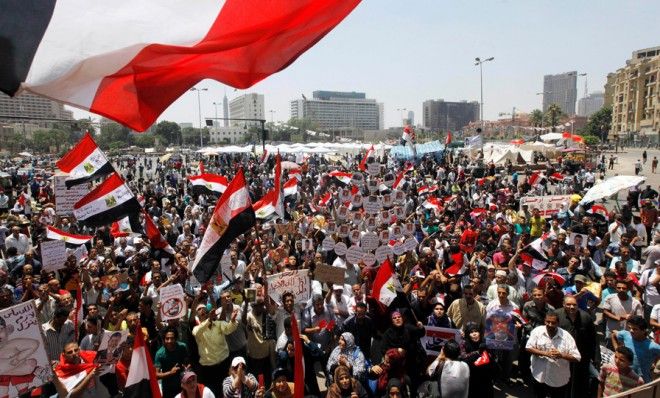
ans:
x=444 y=115
x=225 y=109
x=560 y=89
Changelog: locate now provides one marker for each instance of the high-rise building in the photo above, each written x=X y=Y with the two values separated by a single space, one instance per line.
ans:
x=247 y=106
x=335 y=110
x=445 y=115
x=634 y=94
x=225 y=110
x=560 y=89
x=411 y=118
x=590 y=104
x=27 y=105
x=381 y=116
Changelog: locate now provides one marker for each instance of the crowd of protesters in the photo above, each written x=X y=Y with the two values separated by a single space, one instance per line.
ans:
x=604 y=291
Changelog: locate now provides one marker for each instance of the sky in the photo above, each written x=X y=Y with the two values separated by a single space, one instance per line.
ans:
x=402 y=53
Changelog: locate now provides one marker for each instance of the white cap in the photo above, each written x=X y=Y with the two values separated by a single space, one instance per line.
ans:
x=236 y=361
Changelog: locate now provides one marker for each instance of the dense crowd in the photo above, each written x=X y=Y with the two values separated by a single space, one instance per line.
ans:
x=573 y=284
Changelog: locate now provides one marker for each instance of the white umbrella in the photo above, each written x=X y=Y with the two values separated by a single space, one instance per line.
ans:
x=611 y=186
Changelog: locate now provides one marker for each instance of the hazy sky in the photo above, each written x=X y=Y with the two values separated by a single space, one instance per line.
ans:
x=403 y=52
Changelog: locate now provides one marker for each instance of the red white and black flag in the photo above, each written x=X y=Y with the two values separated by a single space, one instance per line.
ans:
x=70 y=239
x=155 y=238
x=233 y=216
x=141 y=380
x=109 y=201
x=133 y=74
x=208 y=184
x=363 y=162
x=84 y=162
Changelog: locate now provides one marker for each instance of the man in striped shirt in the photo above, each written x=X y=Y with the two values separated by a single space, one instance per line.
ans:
x=58 y=332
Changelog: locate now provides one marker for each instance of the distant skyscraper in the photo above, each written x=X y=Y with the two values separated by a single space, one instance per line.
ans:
x=560 y=89
x=411 y=118
x=444 y=115
x=225 y=109
x=247 y=106
x=590 y=104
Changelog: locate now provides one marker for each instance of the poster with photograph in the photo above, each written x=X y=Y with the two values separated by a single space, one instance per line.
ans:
x=343 y=231
x=357 y=179
x=500 y=331
x=110 y=350
x=399 y=197
x=24 y=363
x=354 y=236
x=358 y=201
x=577 y=239
x=307 y=245
x=373 y=169
x=388 y=200
x=172 y=302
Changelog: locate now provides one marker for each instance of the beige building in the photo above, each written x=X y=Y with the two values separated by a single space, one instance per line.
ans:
x=634 y=94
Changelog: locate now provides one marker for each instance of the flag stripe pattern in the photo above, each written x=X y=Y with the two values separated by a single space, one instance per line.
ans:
x=233 y=215
x=84 y=162
x=385 y=283
x=155 y=238
x=141 y=380
x=208 y=184
x=119 y=62
x=58 y=234
x=109 y=201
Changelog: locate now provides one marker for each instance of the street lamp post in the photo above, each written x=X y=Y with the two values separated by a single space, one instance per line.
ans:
x=478 y=61
x=199 y=110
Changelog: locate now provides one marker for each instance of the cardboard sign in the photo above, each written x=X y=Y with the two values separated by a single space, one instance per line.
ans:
x=369 y=259
x=372 y=205
x=110 y=350
x=328 y=243
x=383 y=252
x=436 y=337
x=369 y=241
x=373 y=169
x=340 y=248
x=283 y=229
x=296 y=282
x=354 y=254
x=66 y=198
x=53 y=254
x=23 y=349
x=328 y=273
x=500 y=331
x=172 y=302
x=548 y=205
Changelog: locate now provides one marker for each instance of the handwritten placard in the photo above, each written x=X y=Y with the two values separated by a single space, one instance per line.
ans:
x=53 y=254
x=296 y=282
x=23 y=349
x=328 y=243
x=172 y=302
x=354 y=254
x=435 y=337
x=66 y=198
x=328 y=273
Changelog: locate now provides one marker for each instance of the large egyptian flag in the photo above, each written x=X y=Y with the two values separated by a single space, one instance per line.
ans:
x=109 y=201
x=265 y=208
x=84 y=162
x=278 y=200
x=386 y=284
x=72 y=374
x=233 y=215
x=208 y=184
x=130 y=60
x=155 y=238
x=363 y=162
x=290 y=187
x=141 y=381
x=70 y=239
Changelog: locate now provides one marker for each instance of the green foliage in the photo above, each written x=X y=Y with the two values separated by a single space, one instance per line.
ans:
x=44 y=140
x=599 y=123
x=536 y=118
x=591 y=139
x=553 y=115
x=168 y=132
x=144 y=140
x=113 y=133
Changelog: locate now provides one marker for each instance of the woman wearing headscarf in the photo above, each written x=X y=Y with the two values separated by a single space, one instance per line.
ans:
x=395 y=389
x=281 y=387
x=347 y=354
x=439 y=317
x=474 y=352
x=407 y=336
x=345 y=386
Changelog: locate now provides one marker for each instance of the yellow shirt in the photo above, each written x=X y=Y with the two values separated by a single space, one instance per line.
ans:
x=536 y=226
x=211 y=342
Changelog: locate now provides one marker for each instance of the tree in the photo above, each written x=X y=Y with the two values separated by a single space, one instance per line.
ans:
x=144 y=140
x=168 y=132
x=536 y=118
x=44 y=140
x=553 y=114
x=599 y=123
x=114 y=133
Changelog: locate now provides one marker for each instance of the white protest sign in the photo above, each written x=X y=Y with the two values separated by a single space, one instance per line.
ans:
x=354 y=254
x=371 y=223
x=400 y=213
x=172 y=302
x=369 y=241
x=331 y=227
x=410 y=244
x=342 y=212
x=53 y=254
x=110 y=350
x=436 y=337
x=369 y=259
x=398 y=248
x=372 y=205
x=354 y=236
x=343 y=231
x=23 y=349
x=383 y=252
x=328 y=243
x=397 y=231
x=409 y=229
x=373 y=168
x=66 y=198
x=372 y=186
x=388 y=180
x=346 y=195
x=340 y=248
x=384 y=236
x=296 y=282
x=399 y=197
x=388 y=200
x=548 y=205
x=357 y=201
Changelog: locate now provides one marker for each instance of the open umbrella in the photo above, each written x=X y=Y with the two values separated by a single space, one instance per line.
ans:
x=541 y=278
x=611 y=186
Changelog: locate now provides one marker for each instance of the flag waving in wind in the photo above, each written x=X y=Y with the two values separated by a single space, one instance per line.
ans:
x=233 y=215
x=69 y=239
x=120 y=61
x=153 y=234
x=84 y=162
x=141 y=381
x=363 y=162
x=386 y=283
x=109 y=201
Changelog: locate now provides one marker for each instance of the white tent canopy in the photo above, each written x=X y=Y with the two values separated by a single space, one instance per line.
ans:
x=611 y=186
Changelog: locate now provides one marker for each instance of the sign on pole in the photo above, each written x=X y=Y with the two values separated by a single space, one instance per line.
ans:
x=53 y=254
x=66 y=198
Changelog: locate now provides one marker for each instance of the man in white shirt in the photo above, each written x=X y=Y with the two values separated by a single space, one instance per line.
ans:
x=552 y=348
x=616 y=229
x=18 y=240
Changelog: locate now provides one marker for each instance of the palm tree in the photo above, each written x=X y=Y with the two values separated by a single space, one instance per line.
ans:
x=536 y=118
x=553 y=114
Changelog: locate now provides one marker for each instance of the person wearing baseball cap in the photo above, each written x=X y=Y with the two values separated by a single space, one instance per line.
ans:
x=239 y=383
x=190 y=388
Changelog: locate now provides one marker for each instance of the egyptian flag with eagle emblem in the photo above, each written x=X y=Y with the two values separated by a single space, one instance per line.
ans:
x=84 y=162
x=208 y=184
x=386 y=284
x=233 y=216
x=109 y=201
x=70 y=239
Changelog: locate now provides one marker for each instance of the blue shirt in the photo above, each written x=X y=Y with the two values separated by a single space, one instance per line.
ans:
x=646 y=351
